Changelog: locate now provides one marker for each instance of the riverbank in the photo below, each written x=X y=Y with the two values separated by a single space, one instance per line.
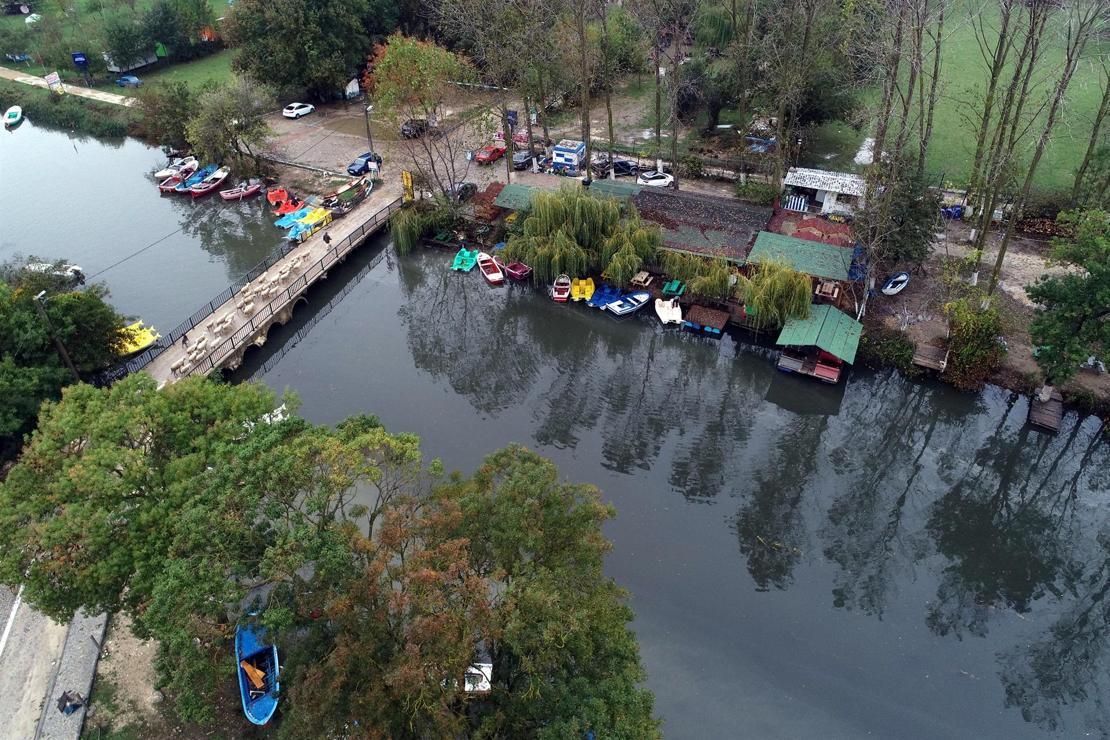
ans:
x=69 y=112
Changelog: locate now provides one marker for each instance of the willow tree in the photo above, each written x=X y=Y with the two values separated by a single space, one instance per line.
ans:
x=571 y=231
x=775 y=293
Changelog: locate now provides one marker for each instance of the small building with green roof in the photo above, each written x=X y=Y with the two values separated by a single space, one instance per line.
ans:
x=830 y=331
x=826 y=261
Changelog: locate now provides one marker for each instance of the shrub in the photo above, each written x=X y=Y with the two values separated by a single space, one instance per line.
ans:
x=69 y=112
x=760 y=193
x=975 y=350
x=880 y=348
x=689 y=165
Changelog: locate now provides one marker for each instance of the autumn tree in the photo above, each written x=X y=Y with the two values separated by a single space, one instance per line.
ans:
x=1072 y=321
x=409 y=78
x=165 y=110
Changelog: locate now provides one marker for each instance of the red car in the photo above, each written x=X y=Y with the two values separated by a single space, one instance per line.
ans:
x=489 y=154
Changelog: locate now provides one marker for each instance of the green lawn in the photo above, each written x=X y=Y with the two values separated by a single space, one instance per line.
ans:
x=214 y=67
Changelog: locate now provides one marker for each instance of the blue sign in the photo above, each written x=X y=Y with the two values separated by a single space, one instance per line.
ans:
x=511 y=115
x=80 y=60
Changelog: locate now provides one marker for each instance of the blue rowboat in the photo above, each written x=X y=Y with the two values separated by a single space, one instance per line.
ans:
x=195 y=179
x=257 y=666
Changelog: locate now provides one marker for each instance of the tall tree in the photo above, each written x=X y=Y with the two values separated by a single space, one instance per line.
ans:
x=1073 y=320
x=230 y=120
x=300 y=46
x=1097 y=137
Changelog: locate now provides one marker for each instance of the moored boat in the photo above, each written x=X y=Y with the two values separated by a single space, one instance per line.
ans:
x=305 y=227
x=170 y=184
x=465 y=259
x=289 y=206
x=194 y=179
x=277 y=196
x=290 y=219
x=490 y=271
x=669 y=311
x=560 y=289
x=517 y=270
x=629 y=303
x=180 y=166
x=13 y=116
x=257 y=668
x=210 y=183
x=603 y=295
x=581 y=290
x=245 y=189
x=139 y=337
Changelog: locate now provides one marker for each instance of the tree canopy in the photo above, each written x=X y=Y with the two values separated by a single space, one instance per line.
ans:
x=380 y=578
x=230 y=120
x=1073 y=320
x=298 y=46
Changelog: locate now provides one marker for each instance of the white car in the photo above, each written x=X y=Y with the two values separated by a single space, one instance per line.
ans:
x=654 y=179
x=296 y=110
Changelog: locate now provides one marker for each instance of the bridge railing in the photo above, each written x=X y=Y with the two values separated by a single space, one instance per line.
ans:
x=223 y=349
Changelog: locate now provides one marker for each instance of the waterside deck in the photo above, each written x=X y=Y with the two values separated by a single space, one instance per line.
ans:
x=1046 y=409
x=219 y=334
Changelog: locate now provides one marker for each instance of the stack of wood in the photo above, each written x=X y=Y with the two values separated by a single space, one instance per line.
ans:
x=254 y=675
x=482 y=202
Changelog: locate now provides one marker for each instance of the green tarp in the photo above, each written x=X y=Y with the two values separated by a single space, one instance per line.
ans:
x=514 y=197
x=826 y=328
x=813 y=258
x=614 y=188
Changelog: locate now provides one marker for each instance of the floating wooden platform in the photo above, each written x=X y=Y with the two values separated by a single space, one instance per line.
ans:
x=219 y=334
x=1046 y=414
x=705 y=320
x=930 y=356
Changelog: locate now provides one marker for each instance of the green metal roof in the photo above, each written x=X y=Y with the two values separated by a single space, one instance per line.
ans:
x=827 y=328
x=514 y=196
x=813 y=258
x=615 y=188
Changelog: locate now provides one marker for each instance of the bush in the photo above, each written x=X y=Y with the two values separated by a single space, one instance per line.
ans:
x=689 y=165
x=760 y=193
x=879 y=348
x=975 y=350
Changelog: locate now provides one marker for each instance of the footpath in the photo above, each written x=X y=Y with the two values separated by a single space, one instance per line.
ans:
x=84 y=92
x=74 y=674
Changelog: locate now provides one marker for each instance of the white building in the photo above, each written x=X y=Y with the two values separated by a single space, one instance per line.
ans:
x=827 y=193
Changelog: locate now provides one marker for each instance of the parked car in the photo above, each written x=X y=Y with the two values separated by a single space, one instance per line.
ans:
x=129 y=81
x=414 y=128
x=464 y=191
x=362 y=163
x=621 y=167
x=297 y=110
x=522 y=160
x=654 y=179
x=489 y=154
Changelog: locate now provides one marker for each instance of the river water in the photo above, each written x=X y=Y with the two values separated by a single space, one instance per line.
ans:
x=882 y=557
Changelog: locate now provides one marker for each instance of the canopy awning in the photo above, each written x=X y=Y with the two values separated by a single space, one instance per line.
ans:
x=826 y=328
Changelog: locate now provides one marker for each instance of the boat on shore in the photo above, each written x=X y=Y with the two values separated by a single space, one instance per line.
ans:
x=343 y=200
x=628 y=304
x=669 y=311
x=210 y=183
x=465 y=259
x=517 y=271
x=560 y=289
x=13 y=116
x=245 y=189
x=257 y=668
x=184 y=166
x=490 y=271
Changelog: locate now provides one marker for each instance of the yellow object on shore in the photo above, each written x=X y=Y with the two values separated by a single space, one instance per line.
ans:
x=138 y=337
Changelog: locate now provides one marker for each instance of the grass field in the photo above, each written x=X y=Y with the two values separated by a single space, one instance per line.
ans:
x=215 y=67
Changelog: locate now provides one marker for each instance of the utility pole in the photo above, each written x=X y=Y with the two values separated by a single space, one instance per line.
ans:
x=369 y=137
x=39 y=302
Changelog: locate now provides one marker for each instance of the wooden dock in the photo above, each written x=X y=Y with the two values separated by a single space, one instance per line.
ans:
x=930 y=356
x=218 y=335
x=1046 y=409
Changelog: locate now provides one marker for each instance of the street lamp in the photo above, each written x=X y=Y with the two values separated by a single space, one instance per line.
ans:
x=40 y=303
x=369 y=137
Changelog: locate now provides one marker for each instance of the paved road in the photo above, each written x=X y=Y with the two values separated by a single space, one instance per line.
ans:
x=30 y=648
x=84 y=92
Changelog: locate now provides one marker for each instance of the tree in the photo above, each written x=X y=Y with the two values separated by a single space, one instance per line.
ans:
x=300 y=46
x=166 y=108
x=902 y=221
x=231 y=120
x=409 y=78
x=177 y=25
x=1071 y=323
x=30 y=369
x=125 y=41
x=774 y=293
x=1094 y=141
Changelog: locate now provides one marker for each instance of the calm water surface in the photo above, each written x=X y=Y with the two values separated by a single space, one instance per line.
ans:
x=882 y=558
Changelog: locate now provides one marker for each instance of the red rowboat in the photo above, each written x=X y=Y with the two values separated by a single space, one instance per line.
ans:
x=277 y=195
x=490 y=271
x=210 y=183
x=517 y=270
x=242 y=190
x=560 y=290
x=168 y=185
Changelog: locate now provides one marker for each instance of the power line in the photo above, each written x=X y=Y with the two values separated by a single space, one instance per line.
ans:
x=136 y=253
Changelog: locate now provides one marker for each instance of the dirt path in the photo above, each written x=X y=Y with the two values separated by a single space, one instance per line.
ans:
x=84 y=92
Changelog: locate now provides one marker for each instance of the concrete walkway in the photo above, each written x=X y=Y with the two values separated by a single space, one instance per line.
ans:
x=84 y=92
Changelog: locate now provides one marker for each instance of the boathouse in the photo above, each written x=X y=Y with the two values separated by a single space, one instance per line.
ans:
x=820 y=191
x=819 y=345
